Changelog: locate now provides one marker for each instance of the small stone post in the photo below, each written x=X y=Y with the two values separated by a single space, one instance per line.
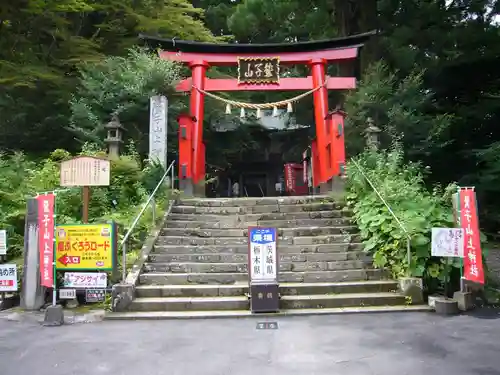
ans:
x=372 y=135
x=114 y=138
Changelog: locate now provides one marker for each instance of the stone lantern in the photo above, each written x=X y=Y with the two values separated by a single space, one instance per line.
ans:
x=114 y=138
x=372 y=135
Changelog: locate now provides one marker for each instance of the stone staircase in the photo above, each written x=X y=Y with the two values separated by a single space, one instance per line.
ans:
x=198 y=267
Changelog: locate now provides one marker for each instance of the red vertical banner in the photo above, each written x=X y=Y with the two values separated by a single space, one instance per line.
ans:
x=46 y=238
x=473 y=259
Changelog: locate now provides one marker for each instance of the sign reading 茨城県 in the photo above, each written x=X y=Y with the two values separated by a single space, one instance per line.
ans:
x=263 y=261
x=86 y=247
x=258 y=70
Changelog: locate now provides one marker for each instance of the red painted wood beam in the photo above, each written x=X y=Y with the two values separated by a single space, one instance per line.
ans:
x=286 y=84
x=287 y=58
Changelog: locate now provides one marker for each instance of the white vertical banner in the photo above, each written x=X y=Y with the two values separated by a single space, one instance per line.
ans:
x=158 y=129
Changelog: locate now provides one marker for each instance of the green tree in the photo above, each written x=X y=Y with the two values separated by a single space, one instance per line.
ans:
x=123 y=86
x=44 y=43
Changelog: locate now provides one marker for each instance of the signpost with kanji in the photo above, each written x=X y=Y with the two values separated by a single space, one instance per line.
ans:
x=86 y=247
x=263 y=269
x=447 y=242
x=85 y=171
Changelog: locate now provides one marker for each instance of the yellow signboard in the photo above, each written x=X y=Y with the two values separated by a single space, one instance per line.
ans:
x=85 y=247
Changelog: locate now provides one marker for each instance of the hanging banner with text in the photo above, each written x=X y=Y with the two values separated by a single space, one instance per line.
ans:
x=262 y=258
x=85 y=247
x=46 y=238
x=473 y=259
x=447 y=242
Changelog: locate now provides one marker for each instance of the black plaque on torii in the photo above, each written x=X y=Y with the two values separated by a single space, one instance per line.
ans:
x=258 y=70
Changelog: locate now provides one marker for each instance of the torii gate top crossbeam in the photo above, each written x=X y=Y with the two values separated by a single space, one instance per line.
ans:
x=289 y=53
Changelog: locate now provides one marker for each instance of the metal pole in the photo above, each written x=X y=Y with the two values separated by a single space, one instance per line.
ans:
x=153 y=210
x=408 y=253
x=86 y=203
x=172 y=178
x=124 y=262
x=3 y=259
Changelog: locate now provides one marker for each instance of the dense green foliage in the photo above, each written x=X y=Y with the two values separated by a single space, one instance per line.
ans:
x=123 y=86
x=418 y=211
x=131 y=183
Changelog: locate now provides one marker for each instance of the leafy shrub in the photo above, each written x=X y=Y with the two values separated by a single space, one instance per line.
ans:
x=21 y=178
x=402 y=186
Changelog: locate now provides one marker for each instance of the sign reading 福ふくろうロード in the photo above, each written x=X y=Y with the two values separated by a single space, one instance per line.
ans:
x=262 y=254
x=86 y=247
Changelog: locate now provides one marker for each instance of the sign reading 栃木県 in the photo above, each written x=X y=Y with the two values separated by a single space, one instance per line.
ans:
x=262 y=254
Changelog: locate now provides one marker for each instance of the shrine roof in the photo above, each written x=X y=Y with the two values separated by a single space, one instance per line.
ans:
x=175 y=45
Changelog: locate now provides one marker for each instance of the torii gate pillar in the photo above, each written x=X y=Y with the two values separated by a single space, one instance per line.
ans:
x=328 y=150
x=197 y=110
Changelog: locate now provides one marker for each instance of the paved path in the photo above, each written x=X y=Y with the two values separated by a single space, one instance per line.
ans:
x=407 y=343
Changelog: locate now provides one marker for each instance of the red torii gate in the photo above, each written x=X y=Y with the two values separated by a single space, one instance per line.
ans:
x=328 y=149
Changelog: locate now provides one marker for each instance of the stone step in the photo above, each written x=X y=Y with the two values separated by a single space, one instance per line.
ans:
x=322 y=301
x=158 y=315
x=234 y=277
x=233 y=224
x=318 y=301
x=195 y=268
x=255 y=218
x=296 y=232
x=283 y=249
x=200 y=290
x=229 y=241
x=243 y=257
x=286 y=289
x=253 y=201
x=257 y=209
x=190 y=303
